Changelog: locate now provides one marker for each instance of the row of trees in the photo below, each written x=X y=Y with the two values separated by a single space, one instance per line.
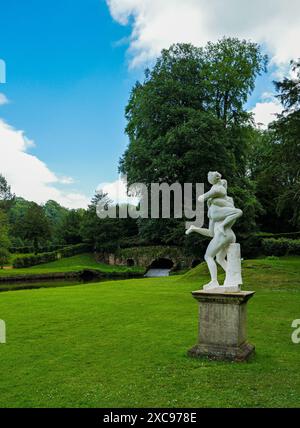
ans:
x=274 y=164
x=186 y=118
x=27 y=224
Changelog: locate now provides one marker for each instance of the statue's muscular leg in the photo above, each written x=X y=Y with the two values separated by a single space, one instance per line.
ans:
x=202 y=231
x=230 y=220
x=219 y=243
x=221 y=258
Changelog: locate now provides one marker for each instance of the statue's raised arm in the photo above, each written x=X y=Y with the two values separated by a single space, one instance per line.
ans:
x=217 y=191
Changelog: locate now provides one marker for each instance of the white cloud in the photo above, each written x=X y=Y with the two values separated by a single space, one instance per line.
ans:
x=66 y=180
x=3 y=99
x=117 y=192
x=265 y=112
x=156 y=24
x=28 y=176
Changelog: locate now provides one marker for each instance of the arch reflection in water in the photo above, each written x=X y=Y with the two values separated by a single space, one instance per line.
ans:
x=160 y=267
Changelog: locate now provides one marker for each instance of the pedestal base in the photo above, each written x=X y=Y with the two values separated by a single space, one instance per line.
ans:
x=224 y=353
x=222 y=326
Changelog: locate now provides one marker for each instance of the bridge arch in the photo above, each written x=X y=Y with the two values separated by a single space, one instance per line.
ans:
x=162 y=263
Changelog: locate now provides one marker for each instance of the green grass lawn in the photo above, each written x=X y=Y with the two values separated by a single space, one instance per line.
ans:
x=124 y=343
x=70 y=264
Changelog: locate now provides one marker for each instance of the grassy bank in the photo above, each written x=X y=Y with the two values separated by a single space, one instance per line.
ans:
x=124 y=344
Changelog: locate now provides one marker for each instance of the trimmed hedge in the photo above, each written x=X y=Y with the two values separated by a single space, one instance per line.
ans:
x=72 y=250
x=32 y=260
x=22 y=250
x=28 y=249
x=27 y=261
x=289 y=235
x=281 y=246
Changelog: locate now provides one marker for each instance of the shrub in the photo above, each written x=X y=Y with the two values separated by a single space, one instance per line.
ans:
x=4 y=257
x=251 y=246
x=272 y=258
x=29 y=249
x=72 y=250
x=27 y=261
x=289 y=235
x=32 y=260
x=22 y=250
x=281 y=246
x=295 y=247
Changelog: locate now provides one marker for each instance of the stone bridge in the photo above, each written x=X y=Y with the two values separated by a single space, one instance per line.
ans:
x=154 y=257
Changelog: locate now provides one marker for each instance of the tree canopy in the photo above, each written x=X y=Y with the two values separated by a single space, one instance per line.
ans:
x=188 y=117
x=35 y=226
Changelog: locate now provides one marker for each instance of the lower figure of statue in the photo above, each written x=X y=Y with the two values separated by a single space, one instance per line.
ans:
x=216 y=250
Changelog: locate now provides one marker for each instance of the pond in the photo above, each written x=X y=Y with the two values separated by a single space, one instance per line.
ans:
x=154 y=273
x=47 y=283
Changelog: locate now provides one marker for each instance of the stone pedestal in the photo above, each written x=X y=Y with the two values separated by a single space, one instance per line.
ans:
x=222 y=326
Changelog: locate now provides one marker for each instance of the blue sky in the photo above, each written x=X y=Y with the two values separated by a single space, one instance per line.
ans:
x=67 y=83
x=70 y=68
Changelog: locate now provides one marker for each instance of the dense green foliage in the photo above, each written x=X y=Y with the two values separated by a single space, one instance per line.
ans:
x=6 y=197
x=287 y=152
x=106 y=234
x=34 y=259
x=275 y=161
x=70 y=227
x=4 y=238
x=28 y=249
x=124 y=344
x=188 y=116
x=35 y=226
x=4 y=257
x=56 y=215
x=281 y=246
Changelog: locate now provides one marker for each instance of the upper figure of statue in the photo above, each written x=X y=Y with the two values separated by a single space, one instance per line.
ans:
x=222 y=215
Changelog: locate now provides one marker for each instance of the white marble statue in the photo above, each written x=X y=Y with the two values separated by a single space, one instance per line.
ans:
x=222 y=248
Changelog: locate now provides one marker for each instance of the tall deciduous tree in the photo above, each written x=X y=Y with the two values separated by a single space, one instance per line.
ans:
x=232 y=69
x=286 y=146
x=188 y=117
